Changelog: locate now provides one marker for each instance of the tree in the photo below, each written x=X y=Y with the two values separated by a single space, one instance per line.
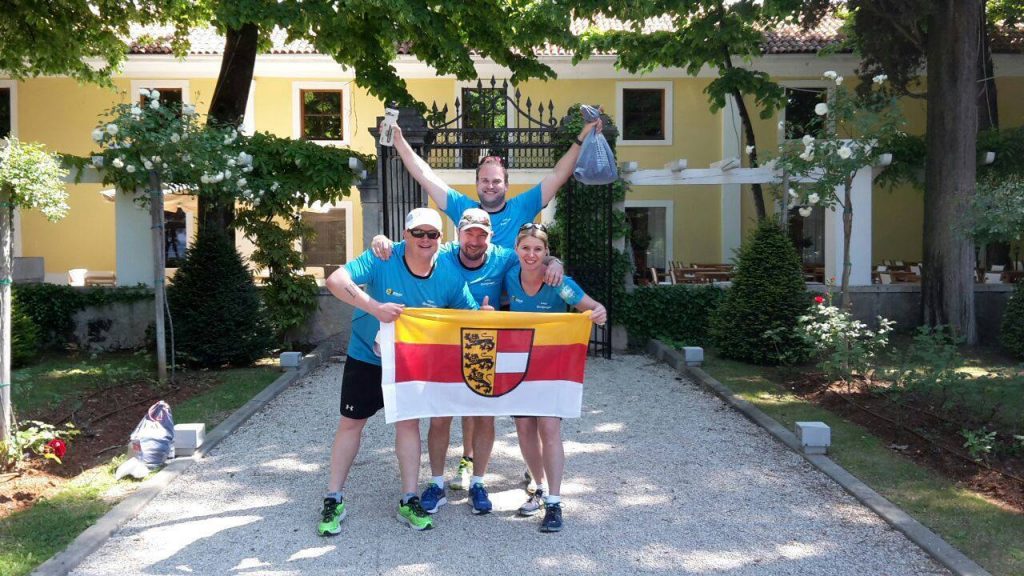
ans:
x=30 y=178
x=950 y=37
x=704 y=33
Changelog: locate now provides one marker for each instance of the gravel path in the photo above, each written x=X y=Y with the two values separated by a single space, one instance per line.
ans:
x=661 y=478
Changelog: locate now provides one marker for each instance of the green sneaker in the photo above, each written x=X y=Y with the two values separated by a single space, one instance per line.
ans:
x=414 y=514
x=461 y=480
x=331 y=517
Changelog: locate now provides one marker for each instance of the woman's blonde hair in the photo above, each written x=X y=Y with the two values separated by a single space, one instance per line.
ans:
x=531 y=230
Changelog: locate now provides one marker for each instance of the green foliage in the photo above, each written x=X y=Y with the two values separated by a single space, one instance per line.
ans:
x=997 y=209
x=979 y=443
x=33 y=438
x=1012 y=333
x=756 y=322
x=217 y=314
x=33 y=178
x=53 y=306
x=671 y=313
x=24 y=337
x=845 y=347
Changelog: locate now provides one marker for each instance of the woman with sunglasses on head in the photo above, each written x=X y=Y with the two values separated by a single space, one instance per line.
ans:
x=540 y=437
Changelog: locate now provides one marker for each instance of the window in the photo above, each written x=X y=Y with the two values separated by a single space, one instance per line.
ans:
x=650 y=234
x=170 y=97
x=644 y=113
x=5 y=112
x=329 y=245
x=800 y=118
x=808 y=235
x=321 y=112
x=483 y=110
x=175 y=238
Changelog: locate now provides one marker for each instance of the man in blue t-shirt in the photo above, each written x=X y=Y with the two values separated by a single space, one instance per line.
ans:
x=483 y=265
x=507 y=215
x=415 y=277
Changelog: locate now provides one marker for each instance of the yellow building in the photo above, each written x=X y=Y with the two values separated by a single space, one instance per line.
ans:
x=662 y=117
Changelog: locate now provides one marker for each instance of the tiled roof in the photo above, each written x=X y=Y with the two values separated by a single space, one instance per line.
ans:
x=787 y=39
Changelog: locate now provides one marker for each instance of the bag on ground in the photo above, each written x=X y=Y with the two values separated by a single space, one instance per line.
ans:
x=153 y=438
x=596 y=164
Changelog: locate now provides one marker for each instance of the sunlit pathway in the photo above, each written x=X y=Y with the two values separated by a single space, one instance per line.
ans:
x=661 y=478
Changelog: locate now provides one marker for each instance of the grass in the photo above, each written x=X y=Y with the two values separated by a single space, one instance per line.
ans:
x=989 y=534
x=28 y=538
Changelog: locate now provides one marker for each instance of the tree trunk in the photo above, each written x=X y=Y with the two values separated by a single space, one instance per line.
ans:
x=228 y=107
x=844 y=285
x=156 y=213
x=947 y=283
x=748 y=136
x=6 y=217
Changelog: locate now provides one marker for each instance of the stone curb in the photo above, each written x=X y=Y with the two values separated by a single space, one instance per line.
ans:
x=96 y=535
x=930 y=542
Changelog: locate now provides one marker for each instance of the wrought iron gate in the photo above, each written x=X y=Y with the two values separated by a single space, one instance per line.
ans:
x=592 y=264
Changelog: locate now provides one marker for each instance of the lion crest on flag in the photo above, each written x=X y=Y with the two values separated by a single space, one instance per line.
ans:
x=494 y=361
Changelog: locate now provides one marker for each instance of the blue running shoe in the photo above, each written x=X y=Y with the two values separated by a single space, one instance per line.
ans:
x=479 y=500
x=552 y=518
x=433 y=498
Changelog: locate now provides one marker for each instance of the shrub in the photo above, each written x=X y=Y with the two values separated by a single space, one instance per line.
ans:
x=844 y=346
x=672 y=313
x=218 y=316
x=24 y=336
x=757 y=320
x=1012 y=334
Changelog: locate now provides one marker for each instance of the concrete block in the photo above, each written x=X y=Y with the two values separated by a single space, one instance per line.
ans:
x=694 y=355
x=815 y=437
x=188 y=438
x=290 y=359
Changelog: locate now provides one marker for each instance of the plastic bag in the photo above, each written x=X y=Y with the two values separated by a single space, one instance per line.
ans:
x=153 y=438
x=596 y=164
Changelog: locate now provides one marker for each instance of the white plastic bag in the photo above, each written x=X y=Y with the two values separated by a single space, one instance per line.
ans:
x=596 y=164
x=153 y=438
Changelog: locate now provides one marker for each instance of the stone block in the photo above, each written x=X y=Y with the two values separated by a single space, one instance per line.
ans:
x=290 y=359
x=188 y=438
x=693 y=355
x=815 y=437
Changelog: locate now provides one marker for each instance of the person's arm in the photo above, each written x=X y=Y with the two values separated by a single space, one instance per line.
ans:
x=598 y=314
x=340 y=284
x=563 y=169
x=422 y=172
x=554 y=272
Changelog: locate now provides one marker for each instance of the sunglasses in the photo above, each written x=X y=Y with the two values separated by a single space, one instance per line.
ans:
x=492 y=160
x=531 y=225
x=432 y=234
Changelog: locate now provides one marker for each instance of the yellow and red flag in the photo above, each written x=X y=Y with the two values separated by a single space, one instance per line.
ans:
x=439 y=362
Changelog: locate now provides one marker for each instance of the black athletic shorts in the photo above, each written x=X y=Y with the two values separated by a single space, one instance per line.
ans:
x=361 y=393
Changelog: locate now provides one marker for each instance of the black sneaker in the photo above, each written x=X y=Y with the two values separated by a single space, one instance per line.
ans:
x=552 y=518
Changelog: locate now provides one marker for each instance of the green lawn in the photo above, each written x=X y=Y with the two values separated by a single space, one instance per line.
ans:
x=989 y=534
x=30 y=537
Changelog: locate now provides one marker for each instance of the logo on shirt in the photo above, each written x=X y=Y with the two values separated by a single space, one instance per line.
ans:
x=566 y=292
x=494 y=361
x=391 y=292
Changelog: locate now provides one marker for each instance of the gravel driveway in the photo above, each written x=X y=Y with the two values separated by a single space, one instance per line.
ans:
x=661 y=478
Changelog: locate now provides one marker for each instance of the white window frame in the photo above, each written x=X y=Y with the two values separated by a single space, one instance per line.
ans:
x=346 y=110
x=828 y=87
x=668 y=120
x=669 y=206
x=183 y=85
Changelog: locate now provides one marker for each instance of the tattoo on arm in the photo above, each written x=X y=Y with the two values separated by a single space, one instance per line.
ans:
x=351 y=289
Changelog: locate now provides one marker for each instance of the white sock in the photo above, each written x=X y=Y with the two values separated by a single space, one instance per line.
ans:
x=438 y=481
x=542 y=487
x=549 y=499
x=474 y=480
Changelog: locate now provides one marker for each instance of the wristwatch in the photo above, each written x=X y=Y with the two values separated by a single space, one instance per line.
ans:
x=578 y=141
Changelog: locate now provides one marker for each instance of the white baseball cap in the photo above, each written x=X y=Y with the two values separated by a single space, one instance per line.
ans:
x=475 y=218
x=423 y=217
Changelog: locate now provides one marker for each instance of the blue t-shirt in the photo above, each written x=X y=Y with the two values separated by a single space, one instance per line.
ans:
x=487 y=278
x=392 y=281
x=505 y=222
x=547 y=299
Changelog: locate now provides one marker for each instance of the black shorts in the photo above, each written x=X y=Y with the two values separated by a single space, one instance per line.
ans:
x=361 y=392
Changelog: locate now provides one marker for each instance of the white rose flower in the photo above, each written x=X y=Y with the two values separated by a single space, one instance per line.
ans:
x=143 y=92
x=821 y=108
x=175 y=138
x=112 y=129
x=154 y=104
x=156 y=160
x=830 y=74
x=750 y=149
x=118 y=163
x=813 y=198
x=808 y=139
x=793 y=194
x=274 y=186
x=205 y=179
x=136 y=110
x=227 y=173
x=844 y=152
x=186 y=157
x=130 y=168
x=188 y=109
x=880 y=79
x=839 y=80
x=147 y=164
x=242 y=182
x=807 y=155
x=231 y=161
x=805 y=211
x=154 y=94
x=97 y=135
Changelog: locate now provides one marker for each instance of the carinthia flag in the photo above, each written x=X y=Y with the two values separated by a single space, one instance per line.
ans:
x=439 y=362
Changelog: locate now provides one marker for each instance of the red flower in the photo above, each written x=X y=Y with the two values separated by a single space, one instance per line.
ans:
x=819 y=299
x=58 y=447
